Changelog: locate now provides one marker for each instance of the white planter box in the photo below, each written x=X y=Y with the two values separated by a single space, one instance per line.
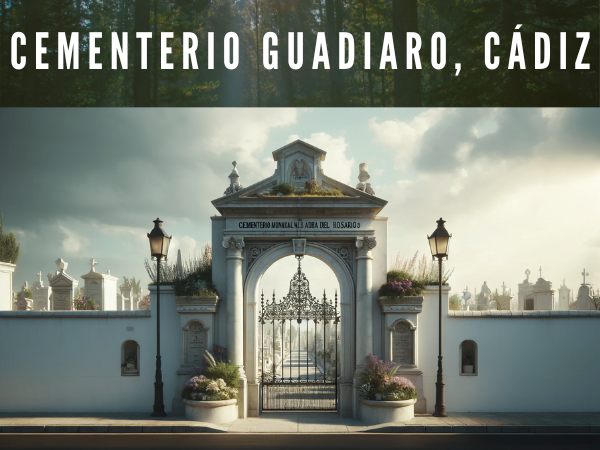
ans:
x=373 y=412
x=221 y=411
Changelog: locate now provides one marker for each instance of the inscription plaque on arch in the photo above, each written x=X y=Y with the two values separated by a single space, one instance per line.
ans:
x=402 y=344
x=195 y=343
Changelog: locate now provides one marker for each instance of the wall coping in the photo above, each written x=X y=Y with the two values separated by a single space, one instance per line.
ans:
x=75 y=314
x=436 y=288
x=164 y=288
x=523 y=314
x=7 y=267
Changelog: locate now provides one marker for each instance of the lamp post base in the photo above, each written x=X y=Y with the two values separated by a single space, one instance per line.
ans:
x=159 y=407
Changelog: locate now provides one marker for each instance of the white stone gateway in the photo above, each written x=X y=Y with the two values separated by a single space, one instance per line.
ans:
x=101 y=288
x=256 y=229
x=63 y=288
x=41 y=294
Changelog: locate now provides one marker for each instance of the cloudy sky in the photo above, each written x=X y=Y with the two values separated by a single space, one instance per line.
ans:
x=518 y=187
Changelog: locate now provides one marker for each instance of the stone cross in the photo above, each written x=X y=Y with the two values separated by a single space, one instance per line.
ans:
x=540 y=271
x=503 y=288
x=94 y=264
x=584 y=273
x=39 y=275
x=527 y=272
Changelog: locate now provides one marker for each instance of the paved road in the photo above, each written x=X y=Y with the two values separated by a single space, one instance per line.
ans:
x=299 y=363
x=293 y=442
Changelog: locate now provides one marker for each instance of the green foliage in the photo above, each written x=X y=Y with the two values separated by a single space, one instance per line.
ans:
x=83 y=303
x=283 y=189
x=387 y=290
x=227 y=372
x=9 y=247
x=464 y=24
x=195 y=277
x=454 y=302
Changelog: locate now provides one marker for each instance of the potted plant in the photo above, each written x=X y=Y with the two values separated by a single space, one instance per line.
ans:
x=385 y=397
x=212 y=396
x=130 y=361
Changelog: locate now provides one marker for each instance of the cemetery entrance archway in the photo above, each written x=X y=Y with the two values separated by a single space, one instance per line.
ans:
x=335 y=390
x=299 y=369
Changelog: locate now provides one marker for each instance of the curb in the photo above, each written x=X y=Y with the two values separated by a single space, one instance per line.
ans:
x=399 y=429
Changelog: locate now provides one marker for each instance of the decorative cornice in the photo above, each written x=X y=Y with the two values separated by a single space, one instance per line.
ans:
x=197 y=304
x=413 y=305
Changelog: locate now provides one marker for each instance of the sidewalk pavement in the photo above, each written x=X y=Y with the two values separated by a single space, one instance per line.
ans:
x=301 y=422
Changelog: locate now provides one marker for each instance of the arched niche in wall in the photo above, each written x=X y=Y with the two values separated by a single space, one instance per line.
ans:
x=468 y=360
x=402 y=339
x=130 y=358
x=195 y=335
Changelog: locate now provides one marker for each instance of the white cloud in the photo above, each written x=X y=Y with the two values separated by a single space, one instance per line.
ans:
x=336 y=165
x=72 y=242
x=405 y=137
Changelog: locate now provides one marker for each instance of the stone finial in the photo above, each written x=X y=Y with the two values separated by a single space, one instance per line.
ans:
x=234 y=181
x=233 y=242
x=62 y=265
x=363 y=177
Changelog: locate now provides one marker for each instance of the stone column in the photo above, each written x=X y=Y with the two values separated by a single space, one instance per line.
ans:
x=364 y=306
x=235 y=312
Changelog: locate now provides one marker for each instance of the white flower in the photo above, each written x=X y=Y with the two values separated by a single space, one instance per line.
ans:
x=221 y=383
x=212 y=387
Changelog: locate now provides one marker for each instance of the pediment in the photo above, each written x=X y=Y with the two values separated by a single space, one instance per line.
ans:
x=63 y=280
x=297 y=163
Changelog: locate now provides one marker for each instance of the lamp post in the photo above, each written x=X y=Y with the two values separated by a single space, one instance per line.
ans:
x=159 y=247
x=438 y=242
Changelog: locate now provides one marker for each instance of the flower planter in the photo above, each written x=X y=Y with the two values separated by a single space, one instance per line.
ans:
x=373 y=412
x=221 y=411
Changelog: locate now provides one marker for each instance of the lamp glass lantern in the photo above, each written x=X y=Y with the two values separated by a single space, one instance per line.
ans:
x=439 y=241
x=159 y=241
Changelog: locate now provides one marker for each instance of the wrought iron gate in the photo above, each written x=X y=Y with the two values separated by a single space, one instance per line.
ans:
x=309 y=385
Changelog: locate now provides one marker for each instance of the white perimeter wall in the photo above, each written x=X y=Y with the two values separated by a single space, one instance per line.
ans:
x=53 y=364
x=524 y=364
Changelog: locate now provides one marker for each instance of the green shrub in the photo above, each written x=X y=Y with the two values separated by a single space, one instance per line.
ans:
x=195 y=277
x=283 y=189
x=227 y=372
x=9 y=248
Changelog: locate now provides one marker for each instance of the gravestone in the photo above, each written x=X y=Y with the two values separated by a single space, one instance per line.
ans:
x=195 y=344
x=40 y=294
x=101 y=288
x=402 y=344
x=63 y=288
x=24 y=303
x=126 y=296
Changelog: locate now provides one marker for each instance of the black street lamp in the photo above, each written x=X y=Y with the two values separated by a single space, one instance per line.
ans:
x=438 y=242
x=159 y=247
